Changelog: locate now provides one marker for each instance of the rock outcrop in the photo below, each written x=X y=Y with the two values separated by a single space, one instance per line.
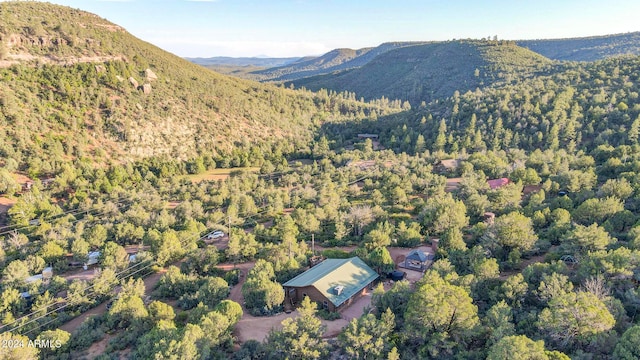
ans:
x=150 y=75
x=133 y=82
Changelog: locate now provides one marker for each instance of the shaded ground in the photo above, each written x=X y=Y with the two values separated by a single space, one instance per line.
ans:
x=5 y=205
x=74 y=323
x=98 y=347
x=524 y=263
x=356 y=309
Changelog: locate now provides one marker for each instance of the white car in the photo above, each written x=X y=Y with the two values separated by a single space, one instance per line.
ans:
x=215 y=235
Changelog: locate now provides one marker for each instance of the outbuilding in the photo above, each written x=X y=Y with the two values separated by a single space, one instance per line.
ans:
x=497 y=183
x=417 y=260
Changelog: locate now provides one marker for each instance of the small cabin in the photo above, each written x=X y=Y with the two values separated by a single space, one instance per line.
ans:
x=417 y=260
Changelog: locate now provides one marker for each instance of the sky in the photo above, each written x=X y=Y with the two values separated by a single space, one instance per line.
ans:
x=291 y=28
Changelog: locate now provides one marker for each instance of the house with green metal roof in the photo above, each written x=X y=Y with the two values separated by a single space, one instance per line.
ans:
x=334 y=283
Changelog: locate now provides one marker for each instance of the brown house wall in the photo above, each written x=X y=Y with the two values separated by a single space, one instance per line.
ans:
x=313 y=294
x=318 y=297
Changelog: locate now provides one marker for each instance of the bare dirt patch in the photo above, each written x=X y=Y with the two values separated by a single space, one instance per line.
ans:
x=524 y=263
x=452 y=184
x=236 y=291
x=6 y=204
x=98 y=347
x=531 y=189
x=72 y=325
x=398 y=254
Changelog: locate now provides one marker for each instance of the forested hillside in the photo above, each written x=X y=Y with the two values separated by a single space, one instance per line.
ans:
x=434 y=71
x=579 y=107
x=586 y=49
x=333 y=61
x=69 y=72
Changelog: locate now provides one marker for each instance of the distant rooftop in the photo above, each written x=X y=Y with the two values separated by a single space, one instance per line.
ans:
x=352 y=274
x=497 y=183
x=368 y=136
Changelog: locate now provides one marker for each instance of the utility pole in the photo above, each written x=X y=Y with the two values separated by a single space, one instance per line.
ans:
x=313 y=244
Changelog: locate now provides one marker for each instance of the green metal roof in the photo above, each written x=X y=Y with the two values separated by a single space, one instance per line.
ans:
x=353 y=274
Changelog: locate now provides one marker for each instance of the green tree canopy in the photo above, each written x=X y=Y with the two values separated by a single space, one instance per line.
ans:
x=300 y=337
x=517 y=347
x=574 y=316
x=367 y=337
x=442 y=213
x=583 y=239
x=438 y=307
x=628 y=348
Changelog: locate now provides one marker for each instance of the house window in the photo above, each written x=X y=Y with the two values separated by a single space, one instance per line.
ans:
x=304 y=295
x=325 y=304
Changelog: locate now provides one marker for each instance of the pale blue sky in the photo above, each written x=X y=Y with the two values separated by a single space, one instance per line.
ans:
x=279 y=28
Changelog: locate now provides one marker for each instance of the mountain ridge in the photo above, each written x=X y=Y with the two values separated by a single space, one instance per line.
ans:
x=590 y=48
x=434 y=70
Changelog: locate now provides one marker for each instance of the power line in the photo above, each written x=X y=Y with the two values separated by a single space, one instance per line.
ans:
x=67 y=304
x=53 y=217
x=91 y=286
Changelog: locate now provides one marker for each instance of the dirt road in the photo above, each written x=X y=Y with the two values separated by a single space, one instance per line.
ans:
x=149 y=284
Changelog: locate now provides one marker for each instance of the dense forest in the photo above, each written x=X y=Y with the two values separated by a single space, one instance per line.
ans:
x=546 y=266
x=430 y=71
